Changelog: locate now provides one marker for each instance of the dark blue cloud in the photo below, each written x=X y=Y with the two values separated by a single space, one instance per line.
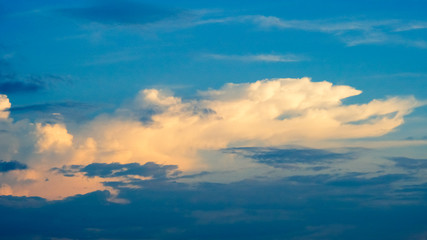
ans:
x=108 y=170
x=250 y=209
x=48 y=112
x=149 y=169
x=409 y=163
x=68 y=170
x=10 y=82
x=22 y=87
x=358 y=180
x=10 y=166
x=123 y=12
x=290 y=157
x=49 y=107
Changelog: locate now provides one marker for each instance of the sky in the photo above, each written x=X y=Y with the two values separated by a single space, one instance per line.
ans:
x=213 y=119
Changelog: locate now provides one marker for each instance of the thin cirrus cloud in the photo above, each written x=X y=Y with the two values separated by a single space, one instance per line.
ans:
x=351 y=32
x=134 y=16
x=53 y=112
x=112 y=58
x=273 y=112
x=256 y=57
x=144 y=17
x=13 y=83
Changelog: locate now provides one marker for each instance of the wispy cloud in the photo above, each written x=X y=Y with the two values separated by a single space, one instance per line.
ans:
x=111 y=170
x=399 y=75
x=256 y=57
x=291 y=157
x=416 y=25
x=131 y=15
x=409 y=163
x=150 y=19
x=114 y=57
x=54 y=112
x=11 y=82
x=351 y=32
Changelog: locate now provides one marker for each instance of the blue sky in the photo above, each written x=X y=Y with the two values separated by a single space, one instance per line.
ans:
x=213 y=119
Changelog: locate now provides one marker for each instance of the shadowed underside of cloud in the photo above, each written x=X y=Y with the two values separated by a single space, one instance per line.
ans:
x=10 y=166
x=282 y=209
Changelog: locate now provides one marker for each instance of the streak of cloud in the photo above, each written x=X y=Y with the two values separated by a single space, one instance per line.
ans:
x=256 y=57
x=352 y=32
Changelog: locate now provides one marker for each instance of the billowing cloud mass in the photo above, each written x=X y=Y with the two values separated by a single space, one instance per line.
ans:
x=4 y=106
x=264 y=113
x=52 y=137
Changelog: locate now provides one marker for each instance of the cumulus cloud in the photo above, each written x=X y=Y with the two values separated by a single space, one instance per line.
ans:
x=264 y=113
x=53 y=137
x=4 y=106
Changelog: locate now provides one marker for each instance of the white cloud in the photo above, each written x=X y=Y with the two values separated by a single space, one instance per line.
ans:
x=256 y=57
x=264 y=113
x=319 y=25
x=52 y=137
x=352 y=32
x=267 y=112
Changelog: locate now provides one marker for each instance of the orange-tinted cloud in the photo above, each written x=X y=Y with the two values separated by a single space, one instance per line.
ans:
x=264 y=113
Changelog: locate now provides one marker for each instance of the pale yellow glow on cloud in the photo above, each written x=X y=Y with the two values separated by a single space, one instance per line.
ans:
x=53 y=137
x=264 y=113
x=267 y=112
x=4 y=106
